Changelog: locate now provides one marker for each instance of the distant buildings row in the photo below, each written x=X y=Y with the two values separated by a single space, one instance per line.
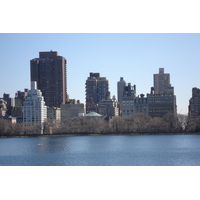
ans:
x=48 y=97
x=160 y=101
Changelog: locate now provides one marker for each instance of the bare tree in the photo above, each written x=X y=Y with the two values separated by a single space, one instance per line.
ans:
x=183 y=121
x=171 y=121
x=142 y=122
x=156 y=125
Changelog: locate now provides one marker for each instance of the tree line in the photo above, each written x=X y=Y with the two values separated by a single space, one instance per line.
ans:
x=136 y=124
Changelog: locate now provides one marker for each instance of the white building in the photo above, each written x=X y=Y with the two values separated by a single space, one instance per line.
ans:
x=34 y=109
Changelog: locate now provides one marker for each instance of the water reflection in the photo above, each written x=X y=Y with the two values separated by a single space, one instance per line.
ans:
x=51 y=144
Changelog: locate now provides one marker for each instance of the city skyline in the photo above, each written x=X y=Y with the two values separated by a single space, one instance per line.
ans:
x=135 y=57
x=84 y=53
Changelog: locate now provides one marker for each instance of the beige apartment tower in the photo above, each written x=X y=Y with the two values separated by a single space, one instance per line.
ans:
x=162 y=83
x=161 y=100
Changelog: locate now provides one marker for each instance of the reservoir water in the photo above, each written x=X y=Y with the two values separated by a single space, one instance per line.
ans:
x=119 y=150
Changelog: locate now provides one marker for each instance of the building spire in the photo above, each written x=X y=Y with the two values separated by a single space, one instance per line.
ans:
x=33 y=85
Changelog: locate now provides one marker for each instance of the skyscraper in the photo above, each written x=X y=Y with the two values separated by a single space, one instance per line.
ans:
x=194 y=104
x=49 y=71
x=34 y=109
x=162 y=99
x=162 y=83
x=96 y=90
x=120 y=89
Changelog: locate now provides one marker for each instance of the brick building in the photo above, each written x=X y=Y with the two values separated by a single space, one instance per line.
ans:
x=49 y=71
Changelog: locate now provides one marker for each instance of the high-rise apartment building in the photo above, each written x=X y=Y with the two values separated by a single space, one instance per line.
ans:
x=34 y=108
x=162 y=99
x=162 y=83
x=19 y=99
x=120 y=89
x=109 y=107
x=10 y=103
x=159 y=105
x=96 y=90
x=159 y=102
x=127 y=100
x=141 y=104
x=194 y=104
x=49 y=71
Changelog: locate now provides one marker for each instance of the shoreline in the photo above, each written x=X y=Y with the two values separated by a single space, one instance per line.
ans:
x=93 y=134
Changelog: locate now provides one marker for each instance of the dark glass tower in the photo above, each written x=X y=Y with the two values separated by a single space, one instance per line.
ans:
x=49 y=70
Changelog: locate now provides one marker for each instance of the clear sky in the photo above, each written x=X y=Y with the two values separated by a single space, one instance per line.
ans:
x=134 y=56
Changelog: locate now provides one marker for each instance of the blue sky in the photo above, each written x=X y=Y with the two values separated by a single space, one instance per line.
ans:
x=134 y=56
